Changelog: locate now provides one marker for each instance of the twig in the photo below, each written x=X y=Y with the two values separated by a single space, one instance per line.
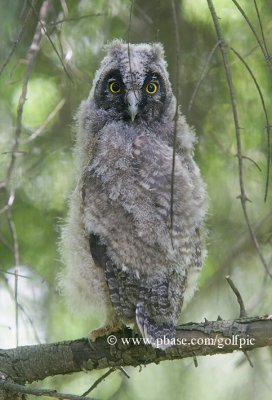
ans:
x=10 y=199
x=13 y=274
x=20 y=307
x=15 y=249
x=75 y=19
x=128 y=47
x=124 y=372
x=243 y=313
x=49 y=118
x=202 y=75
x=128 y=38
x=44 y=30
x=242 y=195
x=16 y=388
x=195 y=361
x=261 y=27
x=238 y=246
x=16 y=42
x=248 y=358
x=31 y=57
x=99 y=380
x=266 y=55
x=16 y=307
x=177 y=46
x=253 y=162
x=268 y=126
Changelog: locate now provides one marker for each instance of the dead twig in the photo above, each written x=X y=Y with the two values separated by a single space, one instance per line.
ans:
x=261 y=28
x=44 y=31
x=49 y=118
x=261 y=45
x=268 y=125
x=16 y=41
x=99 y=380
x=76 y=19
x=16 y=388
x=202 y=75
x=243 y=313
x=177 y=48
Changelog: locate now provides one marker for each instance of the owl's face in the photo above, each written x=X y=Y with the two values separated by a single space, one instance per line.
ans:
x=132 y=84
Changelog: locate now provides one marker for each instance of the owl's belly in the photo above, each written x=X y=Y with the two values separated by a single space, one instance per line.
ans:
x=142 y=244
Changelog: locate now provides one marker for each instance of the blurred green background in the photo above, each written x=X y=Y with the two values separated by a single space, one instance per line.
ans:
x=34 y=199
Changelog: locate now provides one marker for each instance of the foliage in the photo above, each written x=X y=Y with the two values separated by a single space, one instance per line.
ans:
x=37 y=174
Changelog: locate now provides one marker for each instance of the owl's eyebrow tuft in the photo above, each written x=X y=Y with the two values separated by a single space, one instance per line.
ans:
x=112 y=75
x=153 y=76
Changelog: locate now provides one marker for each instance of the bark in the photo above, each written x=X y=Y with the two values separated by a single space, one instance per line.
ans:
x=26 y=364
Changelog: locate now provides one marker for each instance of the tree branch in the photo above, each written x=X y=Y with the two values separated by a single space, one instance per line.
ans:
x=15 y=388
x=31 y=363
x=243 y=197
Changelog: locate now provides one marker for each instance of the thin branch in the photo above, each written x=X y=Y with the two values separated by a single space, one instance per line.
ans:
x=128 y=39
x=268 y=125
x=16 y=42
x=49 y=118
x=75 y=19
x=233 y=99
x=13 y=231
x=124 y=372
x=128 y=47
x=202 y=75
x=177 y=48
x=10 y=197
x=248 y=359
x=99 y=380
x=261 y=27
x=266 y=55
x=31 y=58
x=20 y=307
x=195 y=362
x=243 y=313
x=242 y=244
x=253 y=162
x=15 y=388
x=44 y=30
x=16 y=307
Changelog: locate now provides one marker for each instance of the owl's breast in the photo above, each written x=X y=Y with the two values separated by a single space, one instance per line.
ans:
x=127 y=198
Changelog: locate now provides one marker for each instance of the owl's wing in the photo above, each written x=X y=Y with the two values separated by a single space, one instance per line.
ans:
x=98 y=251
x=154 y=304
x=123 y=284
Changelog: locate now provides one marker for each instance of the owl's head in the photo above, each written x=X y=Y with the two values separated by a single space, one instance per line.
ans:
x=132 y=83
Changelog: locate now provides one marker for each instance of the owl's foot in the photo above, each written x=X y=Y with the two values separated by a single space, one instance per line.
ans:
x=105 y=330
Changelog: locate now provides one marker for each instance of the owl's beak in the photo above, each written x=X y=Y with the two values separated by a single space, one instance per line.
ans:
x=133 y=103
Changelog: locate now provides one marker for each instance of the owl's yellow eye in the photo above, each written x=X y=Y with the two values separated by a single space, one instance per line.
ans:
x=151 y=88
x=115 y=87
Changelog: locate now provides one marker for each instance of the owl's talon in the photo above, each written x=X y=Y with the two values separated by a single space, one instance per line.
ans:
x=104 y=331
x=90 y=342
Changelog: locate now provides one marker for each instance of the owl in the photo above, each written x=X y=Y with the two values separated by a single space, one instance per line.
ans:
x=133 y=243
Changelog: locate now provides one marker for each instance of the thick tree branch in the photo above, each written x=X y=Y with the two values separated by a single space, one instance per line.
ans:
x=32 y=363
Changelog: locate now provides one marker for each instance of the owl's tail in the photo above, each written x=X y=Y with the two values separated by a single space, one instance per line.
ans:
x=159 y=335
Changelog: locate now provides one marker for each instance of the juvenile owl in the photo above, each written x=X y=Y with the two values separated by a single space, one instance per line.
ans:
x=125 y=252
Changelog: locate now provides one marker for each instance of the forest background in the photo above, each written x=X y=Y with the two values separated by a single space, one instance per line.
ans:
x=37 y=173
